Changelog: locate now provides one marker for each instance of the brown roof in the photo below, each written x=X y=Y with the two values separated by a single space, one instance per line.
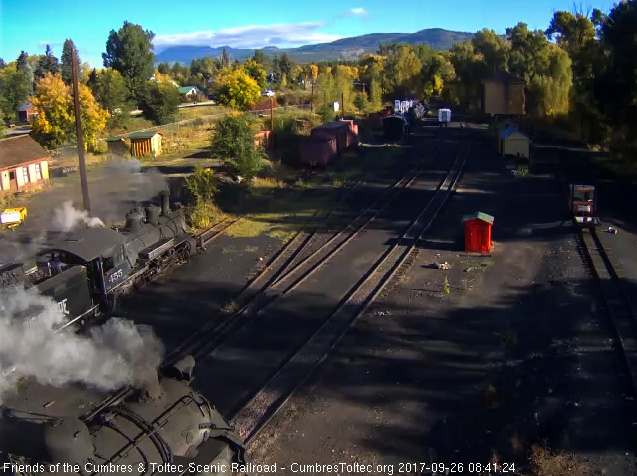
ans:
x=502 y=77
x=20 y=150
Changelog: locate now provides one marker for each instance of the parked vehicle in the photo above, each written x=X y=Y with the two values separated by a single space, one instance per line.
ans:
x=444 y=117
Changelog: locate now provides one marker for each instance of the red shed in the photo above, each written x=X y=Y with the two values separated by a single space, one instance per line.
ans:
x=477 y=232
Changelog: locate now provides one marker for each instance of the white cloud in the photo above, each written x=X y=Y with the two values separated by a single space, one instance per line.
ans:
x=252 y=36
x=359 y=11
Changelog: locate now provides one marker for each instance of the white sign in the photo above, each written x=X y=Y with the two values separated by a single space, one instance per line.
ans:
x=62 y=307
x=336 y=107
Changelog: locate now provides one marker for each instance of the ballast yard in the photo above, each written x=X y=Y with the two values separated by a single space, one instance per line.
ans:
x=369 y=340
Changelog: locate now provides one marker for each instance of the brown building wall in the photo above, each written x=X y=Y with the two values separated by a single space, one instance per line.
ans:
x=504 y=98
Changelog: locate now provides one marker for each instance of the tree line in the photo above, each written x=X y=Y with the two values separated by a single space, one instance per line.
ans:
x=581 y=69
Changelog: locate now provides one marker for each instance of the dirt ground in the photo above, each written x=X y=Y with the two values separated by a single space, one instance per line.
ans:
x=516 y=353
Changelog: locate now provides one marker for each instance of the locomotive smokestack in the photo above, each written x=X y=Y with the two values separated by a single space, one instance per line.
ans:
x=165 y=203
x=150 y=388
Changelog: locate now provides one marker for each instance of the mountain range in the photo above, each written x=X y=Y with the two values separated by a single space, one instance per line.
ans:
x=344 y=49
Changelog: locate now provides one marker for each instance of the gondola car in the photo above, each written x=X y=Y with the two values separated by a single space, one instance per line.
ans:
x=87 y=270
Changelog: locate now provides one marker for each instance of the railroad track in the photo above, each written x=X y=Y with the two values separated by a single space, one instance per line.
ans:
x=621 y=312
x=295 y=270
x=270 y=273
x=254 y=415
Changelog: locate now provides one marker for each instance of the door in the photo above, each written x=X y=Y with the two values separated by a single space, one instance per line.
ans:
x=13 y=182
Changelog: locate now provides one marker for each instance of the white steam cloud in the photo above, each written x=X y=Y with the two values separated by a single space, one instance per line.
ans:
x=67 y=218
x=116 y=354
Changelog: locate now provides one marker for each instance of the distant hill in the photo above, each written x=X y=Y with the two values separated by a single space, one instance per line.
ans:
x=344 y=49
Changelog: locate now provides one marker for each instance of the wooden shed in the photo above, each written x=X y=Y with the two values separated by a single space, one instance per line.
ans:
x=145 y=143
x=514 y=143
x=503 y=94
x=117 y=146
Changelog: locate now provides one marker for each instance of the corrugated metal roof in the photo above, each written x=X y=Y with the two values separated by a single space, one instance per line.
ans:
x=143 y=135
x=114 y=139
x=187 y=89
x=480 y=216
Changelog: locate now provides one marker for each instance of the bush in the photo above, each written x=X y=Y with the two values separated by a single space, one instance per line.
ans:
x=233 y=142
x=202 y=186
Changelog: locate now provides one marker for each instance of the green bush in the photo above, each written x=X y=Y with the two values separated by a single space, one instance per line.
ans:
x=233 y=142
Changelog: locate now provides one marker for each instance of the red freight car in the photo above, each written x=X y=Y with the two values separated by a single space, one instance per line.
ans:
x=317 y=150
x=345 y=133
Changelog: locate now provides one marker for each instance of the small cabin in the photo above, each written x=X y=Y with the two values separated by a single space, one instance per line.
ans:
x=26 y=112
x=145 y=143
x=513 y=143
x=24 y=164
x=503 y=94
x=117 y=146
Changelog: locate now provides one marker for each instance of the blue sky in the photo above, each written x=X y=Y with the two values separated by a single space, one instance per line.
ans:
x=31 y=25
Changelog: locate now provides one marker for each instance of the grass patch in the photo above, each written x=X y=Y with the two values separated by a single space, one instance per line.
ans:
x=547 y=463
x=204 y=213
x=230 y=307
x=248 y=228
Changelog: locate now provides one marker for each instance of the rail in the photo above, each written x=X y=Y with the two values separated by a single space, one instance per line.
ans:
x=290 y=376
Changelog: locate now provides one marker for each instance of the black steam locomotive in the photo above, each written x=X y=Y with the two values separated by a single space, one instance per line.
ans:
x=87 y=270
x=164 y=427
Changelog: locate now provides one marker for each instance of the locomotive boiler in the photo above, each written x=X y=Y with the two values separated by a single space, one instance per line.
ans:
x=164 y=427
x=85 y=271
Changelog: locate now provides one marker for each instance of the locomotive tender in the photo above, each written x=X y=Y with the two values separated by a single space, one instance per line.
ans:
x=85 y=271
x=165 y=427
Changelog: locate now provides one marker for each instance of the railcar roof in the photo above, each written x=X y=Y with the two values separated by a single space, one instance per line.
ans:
x=87 y=244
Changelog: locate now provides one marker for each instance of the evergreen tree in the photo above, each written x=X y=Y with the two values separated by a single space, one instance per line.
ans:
x=2 y=64
x=130 y=51
x=21 y=62
x=67 y=61
x=225 y=59
x=47 y=64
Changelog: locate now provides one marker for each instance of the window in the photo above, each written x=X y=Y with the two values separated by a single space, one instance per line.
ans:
x=38 y=172
x=25 y=174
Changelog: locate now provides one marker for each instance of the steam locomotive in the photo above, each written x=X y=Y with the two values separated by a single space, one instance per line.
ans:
x=164 y=427
x=86 y=271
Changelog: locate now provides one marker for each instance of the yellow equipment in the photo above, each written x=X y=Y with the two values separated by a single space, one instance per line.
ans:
x=12 y=217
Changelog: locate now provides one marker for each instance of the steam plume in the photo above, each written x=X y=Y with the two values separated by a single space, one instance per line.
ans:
x=67 y=218
x=115 y=354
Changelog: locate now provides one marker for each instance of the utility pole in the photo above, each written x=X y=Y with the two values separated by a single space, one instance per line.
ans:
x=312 y=100
x=80 y=138
x=343 y=104
x=272 y=112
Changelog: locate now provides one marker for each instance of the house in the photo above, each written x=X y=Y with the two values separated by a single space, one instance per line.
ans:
x=117 y=146
x=26 y=112
x=503 y=94
x=24 y=164
x=514 y=143
x=145 y=143
x=189 y=92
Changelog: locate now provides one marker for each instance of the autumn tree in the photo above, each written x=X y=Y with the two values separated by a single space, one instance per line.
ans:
x=47 y=64
x=256 y=71
x=235 y=88
x=130 y=51
x=402 y=69
x=67 y=61
x=14 y=90
x=54 y=124
x=493 y=49
x=160 y=100
x=233 y=142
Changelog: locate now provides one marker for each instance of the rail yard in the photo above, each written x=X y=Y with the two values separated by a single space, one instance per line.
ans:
x=370 y=338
